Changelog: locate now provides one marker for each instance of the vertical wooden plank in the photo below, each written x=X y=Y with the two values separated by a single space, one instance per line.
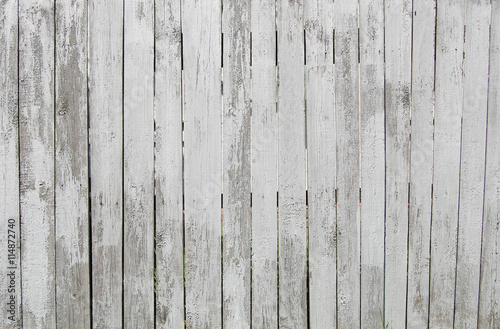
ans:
x=106 y=159
x=372 y=134
x=36 y=110
x=236 y=164
x=201 y=22
x=398 y=22
x=138 y=164
x=347 y=126
x=448 y=110
x=291 y=166
x=10 y=295
x=168 y=166
x=489 y=308
x=470 y=219
x=264 y=166
x=421 y=148
x=71 y=149
x=321 y=166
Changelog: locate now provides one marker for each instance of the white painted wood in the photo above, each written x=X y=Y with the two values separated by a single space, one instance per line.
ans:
x=291 y=166
x=36 y=112
x=448 y=112
x=105 y=75
x=398 y=23
x=321 y=144
x=236 y=164
x=138 y=164
x=168 y=166
x=348 y=177
x=201 y=23
x=71 y=150
x=489 y=308
x=372 y=134
x=264 y=166
x=421 y=156
x=10 y=242
x=470 y=219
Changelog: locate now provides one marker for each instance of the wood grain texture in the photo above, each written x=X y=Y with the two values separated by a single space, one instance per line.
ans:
x=36 y=139
x=264 y=166
x=321 y=166
x=201 y=22
x=168 y=166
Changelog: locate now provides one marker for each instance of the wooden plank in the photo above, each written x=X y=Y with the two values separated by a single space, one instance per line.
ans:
x=168 y=166
x=291 y=166
x=448 y=110
x=321 y=166
x=421 y=148
x=489 y=308
x=71 y=150
x=10 y=273
x=347 y=126
x=372 y=135
x=138 y=164
x=470 y=219
x=201 y=21
x=264 y=166
x=36 y=111
x=105 y=76
x=398 y=23
x=236 y=164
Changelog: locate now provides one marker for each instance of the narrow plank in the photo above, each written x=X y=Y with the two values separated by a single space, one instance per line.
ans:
x=36 y=125
x=448 y=111
x=347 y=126
x=105 y=75
x=168 y=166
x=321 y=166
x=291 y=166
x=201 y=21
x=138 y=164
x=372 y=134
x=10 y=273
x=473 y=150
x=489 y=308
x=236 y=164
x=264 y=166
x=71 y=150
x=421 y=148
x=398 y=23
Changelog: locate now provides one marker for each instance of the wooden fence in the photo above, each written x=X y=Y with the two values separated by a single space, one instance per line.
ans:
x=354 y=149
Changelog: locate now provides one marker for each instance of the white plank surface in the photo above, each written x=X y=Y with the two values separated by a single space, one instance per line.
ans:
x=264 y=166
x=321 y=144
x=168 y=166
x=36 y=112
x=201 y=23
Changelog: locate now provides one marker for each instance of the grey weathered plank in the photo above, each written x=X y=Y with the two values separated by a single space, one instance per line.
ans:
x=470 y=219
x=291 y=165
x=321 y=166
x=236 y=164
x=36 y=124
x=105 y=75
x=10 y=273
x=372 y=134
x=448 y=110
x=398 y=23
x=138 y=164
x=168 y=166
x=347 y=126
x=201 y=22
x=421 y=149
x=71 y=150
x=264 y=166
